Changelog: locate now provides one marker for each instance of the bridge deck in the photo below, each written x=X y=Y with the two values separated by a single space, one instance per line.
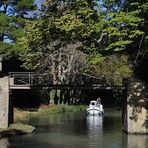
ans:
x=67 y=87
x=31 y=80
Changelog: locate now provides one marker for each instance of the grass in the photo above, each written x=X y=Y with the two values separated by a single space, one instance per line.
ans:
x=61 y=109
x=47 y=110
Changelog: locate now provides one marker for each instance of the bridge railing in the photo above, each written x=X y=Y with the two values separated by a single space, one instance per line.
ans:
x=28 y=78
x=33 y=79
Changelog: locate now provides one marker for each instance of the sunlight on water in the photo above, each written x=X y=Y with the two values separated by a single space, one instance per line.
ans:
x=95 y=130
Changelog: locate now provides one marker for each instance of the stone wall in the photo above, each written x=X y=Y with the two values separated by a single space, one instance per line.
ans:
x=135 y=118
x=4 y=102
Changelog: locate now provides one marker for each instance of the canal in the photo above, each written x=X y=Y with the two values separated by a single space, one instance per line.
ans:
x=76 y=130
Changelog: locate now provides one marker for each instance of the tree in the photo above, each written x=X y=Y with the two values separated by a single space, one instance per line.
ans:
x=53 y=42
x=127 y=30
x=96 y=31
x=12 y=25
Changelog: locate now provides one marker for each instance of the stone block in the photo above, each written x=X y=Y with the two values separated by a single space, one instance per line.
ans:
x=136 y=112
x=4 y=102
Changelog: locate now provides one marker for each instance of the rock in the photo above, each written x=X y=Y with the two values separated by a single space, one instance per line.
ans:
x=17 y=129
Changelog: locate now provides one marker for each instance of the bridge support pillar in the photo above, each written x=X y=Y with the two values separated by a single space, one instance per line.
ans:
x=135 y=109
x=4 y=102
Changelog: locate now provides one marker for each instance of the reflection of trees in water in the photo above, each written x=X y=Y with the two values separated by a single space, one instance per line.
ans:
x=95 y=130
x=4 y=143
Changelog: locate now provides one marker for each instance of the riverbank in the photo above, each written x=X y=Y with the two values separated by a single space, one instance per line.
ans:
x=46 y=110
x=23 y=114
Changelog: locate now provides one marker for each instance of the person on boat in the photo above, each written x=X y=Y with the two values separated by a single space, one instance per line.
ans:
x=98 y=101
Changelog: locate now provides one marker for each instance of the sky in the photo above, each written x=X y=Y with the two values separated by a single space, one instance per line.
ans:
x=39 y=2
x=11 y=12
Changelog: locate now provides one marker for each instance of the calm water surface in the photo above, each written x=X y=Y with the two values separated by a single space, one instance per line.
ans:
x=76 y=130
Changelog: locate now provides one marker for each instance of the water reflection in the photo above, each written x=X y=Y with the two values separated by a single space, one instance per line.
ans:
x=95 y=130
x=137 y=141
x=75 y=130
x=4 y=143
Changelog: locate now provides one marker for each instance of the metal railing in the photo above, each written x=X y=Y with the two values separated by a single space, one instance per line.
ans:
x=29 y=78
x=33 y=79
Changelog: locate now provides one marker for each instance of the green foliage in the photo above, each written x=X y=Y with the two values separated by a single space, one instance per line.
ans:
x=8 y=50
x=101 y=34
x=12 y=28
x=123 y=29
x=119 y=45
x=98 y=58
x=78 y=23
x=63 y=24
x=61 y=109
x=109 y=66
x=5 y=49
x=4 y=23
x=26 y=5
x=107 y=33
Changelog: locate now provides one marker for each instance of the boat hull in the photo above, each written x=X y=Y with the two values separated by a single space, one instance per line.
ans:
x=94 y=111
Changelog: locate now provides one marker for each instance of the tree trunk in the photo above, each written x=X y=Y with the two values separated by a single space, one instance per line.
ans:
x=54 y=70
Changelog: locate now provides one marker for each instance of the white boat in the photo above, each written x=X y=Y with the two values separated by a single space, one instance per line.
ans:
x=95 y=108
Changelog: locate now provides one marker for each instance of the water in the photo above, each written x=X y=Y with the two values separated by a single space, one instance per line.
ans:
x=76 y=130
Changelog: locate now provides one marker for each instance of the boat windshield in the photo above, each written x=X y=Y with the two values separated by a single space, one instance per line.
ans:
x=93 y=103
